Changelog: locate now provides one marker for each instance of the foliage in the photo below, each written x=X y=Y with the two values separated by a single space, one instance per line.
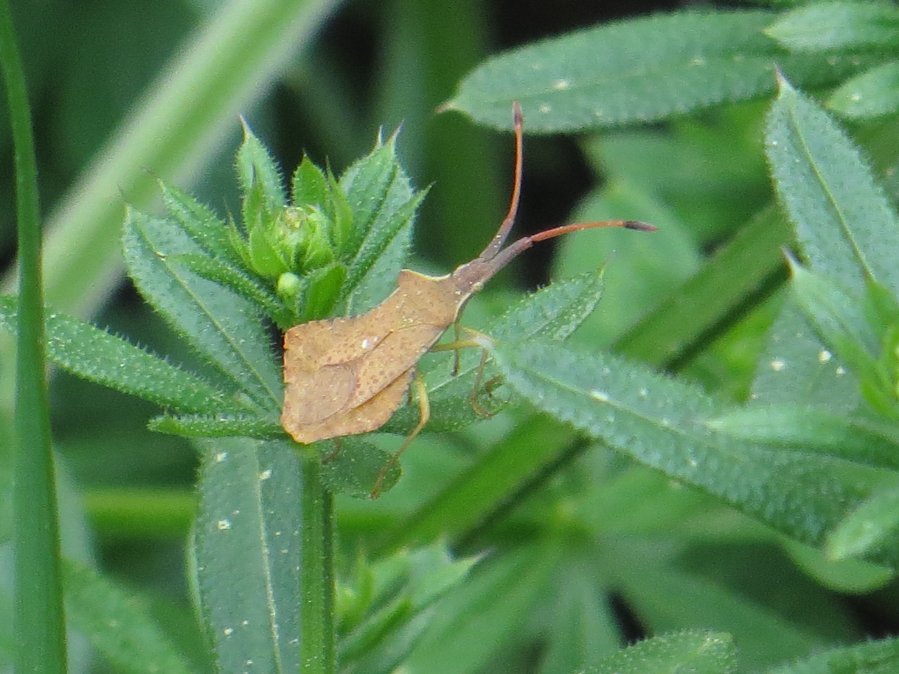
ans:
x=714 y=513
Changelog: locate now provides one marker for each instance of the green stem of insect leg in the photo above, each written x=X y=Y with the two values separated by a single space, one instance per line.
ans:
x=424 y=408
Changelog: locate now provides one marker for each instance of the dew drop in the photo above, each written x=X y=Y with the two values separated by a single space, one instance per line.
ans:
x=778 y=365
x=220 y=456
x=824 y=356
x=266 y=474
x=228 y=631
x=840 y=371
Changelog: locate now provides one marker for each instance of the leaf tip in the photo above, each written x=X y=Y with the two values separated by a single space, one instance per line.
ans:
x=783 y=84
x=446 y=106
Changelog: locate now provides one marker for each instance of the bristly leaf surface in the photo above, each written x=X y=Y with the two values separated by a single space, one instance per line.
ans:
x=638 y=71
x=224 y=328
x=662 y=423
x=383 y=204
x=98 y=356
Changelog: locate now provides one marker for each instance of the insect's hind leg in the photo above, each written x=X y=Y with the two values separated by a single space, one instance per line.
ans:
x=476 y=340
x=424 y=409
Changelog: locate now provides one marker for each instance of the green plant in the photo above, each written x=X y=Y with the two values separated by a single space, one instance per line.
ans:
x=726 y=505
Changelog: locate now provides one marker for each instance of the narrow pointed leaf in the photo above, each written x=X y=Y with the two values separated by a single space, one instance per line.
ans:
x=202 y=224
x=872 y=94
x=96 y=355
x=247 y=540
x=309 y=186
x=866 y=527
x=638 y=70
x=383 y=204
x=835 y=26
x=221 y=326
x=237 y=280
x=798 y=369
x=119 y=624
x=407 y=585
x=873 y=657
x=695 y=651
x=844 y=222
x=217 y=426
x=662 y=423
x=808 y=429
x=256 y=169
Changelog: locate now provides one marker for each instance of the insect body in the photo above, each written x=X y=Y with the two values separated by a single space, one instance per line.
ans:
x=346 y=376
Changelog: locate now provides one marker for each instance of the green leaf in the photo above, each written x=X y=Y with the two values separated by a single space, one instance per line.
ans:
x=638 y=70
x=353 y=466
x=662 y=423
x=383 y=205
x=695 y=651
x=848 y=575
x=119 y=624
x=837 y=26
x=844 y=326
x=405 y=587
x=217 y=426
x=256 y=170
x=247 y=544
x=583 y=627
x=221 y=326
x=237 y=280
x=845 y=224
x=96 y=355
x=309 y=186
x=199 y=221
x=797 y=369
x=815 y=430
x=470 y=626
x=866 y=527
x=873 y=657
x=786 y=617
x=872 y=94
x=322 y=289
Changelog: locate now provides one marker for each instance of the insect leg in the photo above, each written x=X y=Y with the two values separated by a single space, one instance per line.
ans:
x=424 y=408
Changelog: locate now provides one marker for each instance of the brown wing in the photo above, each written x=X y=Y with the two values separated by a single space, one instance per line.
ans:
x=366 y=417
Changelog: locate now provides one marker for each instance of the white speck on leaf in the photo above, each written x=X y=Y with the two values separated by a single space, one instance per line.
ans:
x=778 y=365
x=840 y=371
x=601 y=396
x=545 y=108
x=824 y=356
x=228 y=631
x=220 y=456
x=266 y=474
x=223 y=525
x=561 y=85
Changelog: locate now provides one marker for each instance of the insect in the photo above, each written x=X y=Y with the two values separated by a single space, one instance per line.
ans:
x=346 y=376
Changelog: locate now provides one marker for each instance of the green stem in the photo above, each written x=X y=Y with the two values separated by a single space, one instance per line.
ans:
x=317 y=573
x=39 y=618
